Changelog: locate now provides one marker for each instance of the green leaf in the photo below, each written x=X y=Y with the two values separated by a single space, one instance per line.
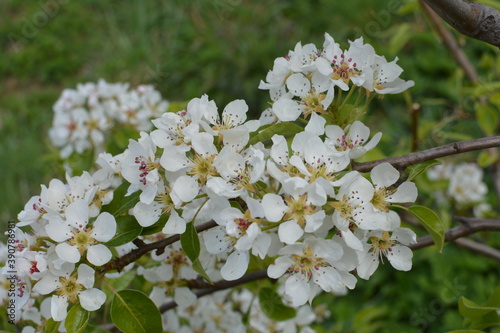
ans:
x=494 y=299
x=495 y=99
x=470 y=309
x=191 y=245
x=77 y=319
x=121 y=203
x=487 y=118
x=488 y=320
x=118 y=284
x=190 y=242
x=198 y=268
x=485 y=159
x=52 y=326
x=127 y=229
x=134 y=312
x=432 y=223
x=285 y=129
x=273 y=307
x=420 y=168
x=465 y=331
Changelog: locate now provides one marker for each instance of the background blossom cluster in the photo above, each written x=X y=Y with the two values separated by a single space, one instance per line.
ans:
x=83 y=117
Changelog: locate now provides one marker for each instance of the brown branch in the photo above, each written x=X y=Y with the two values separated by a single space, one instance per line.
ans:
x=402 y=162
x=479 y=248
x=451 y=43
x=144 y=248
x=469 y=18
x=469 y=226
x=221 y=285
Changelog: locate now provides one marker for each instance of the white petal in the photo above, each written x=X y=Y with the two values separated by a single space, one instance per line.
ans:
x=280 y=266
x=203 y=144
x=58 y=230
x=316 y=124
x=286 y=109
x=404 y=236
x=352 y=241
x=147 y=215
x=255 y=208
x=367 y=266
x=104 y=227
x=279 y=149
x=261 y=245
x=236 y=112
x=184 y=297
x=59 y=307
x=86 y=276
x=186 y=188
x=400 y=257
x=328 y=278
x=47 y=284
x=314 y=221
x=274 y=207
x=384 y=175
x=98 y=254
x=68 y=252
x=289 y=232
x=175 y=224
x=215 y=240
x=406 y=192
x=328 y=249
x=298 y=85
x=174 y=158
x=295 y=186
x=236 y=265
x=297 y=289
x=92 y=299
x=324 y=66
x=77 y=214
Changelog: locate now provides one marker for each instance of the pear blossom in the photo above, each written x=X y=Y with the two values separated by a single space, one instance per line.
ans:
x=466 y=184
x=71 y=288
x=343 y=67
x=384 y=176
x=276 y=78
x=351 y=142
x=392 y=245
x=238 y=233
x=383 y=77
x=140 y=167
x=75 y=238
x=311 y=265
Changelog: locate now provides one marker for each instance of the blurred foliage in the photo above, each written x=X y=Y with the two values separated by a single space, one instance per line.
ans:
x=224 y=48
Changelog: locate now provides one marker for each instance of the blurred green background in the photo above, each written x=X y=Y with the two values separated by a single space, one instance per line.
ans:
x=224 y=48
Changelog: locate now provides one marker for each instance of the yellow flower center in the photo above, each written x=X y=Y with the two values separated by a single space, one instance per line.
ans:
x=378 y=200
x=312 y=103
x=69 y=288
x=306 y=263
x=82 y=239
x=298 y=209
x=382 y=245
x=203 y=168
x=344 y=208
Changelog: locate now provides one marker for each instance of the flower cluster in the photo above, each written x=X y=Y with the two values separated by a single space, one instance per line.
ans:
x=304 y=81
x=279 y=195
x=83 y=117
x=464 y=185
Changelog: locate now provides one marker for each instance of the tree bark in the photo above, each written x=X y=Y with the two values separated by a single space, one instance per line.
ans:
x=469 y=18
